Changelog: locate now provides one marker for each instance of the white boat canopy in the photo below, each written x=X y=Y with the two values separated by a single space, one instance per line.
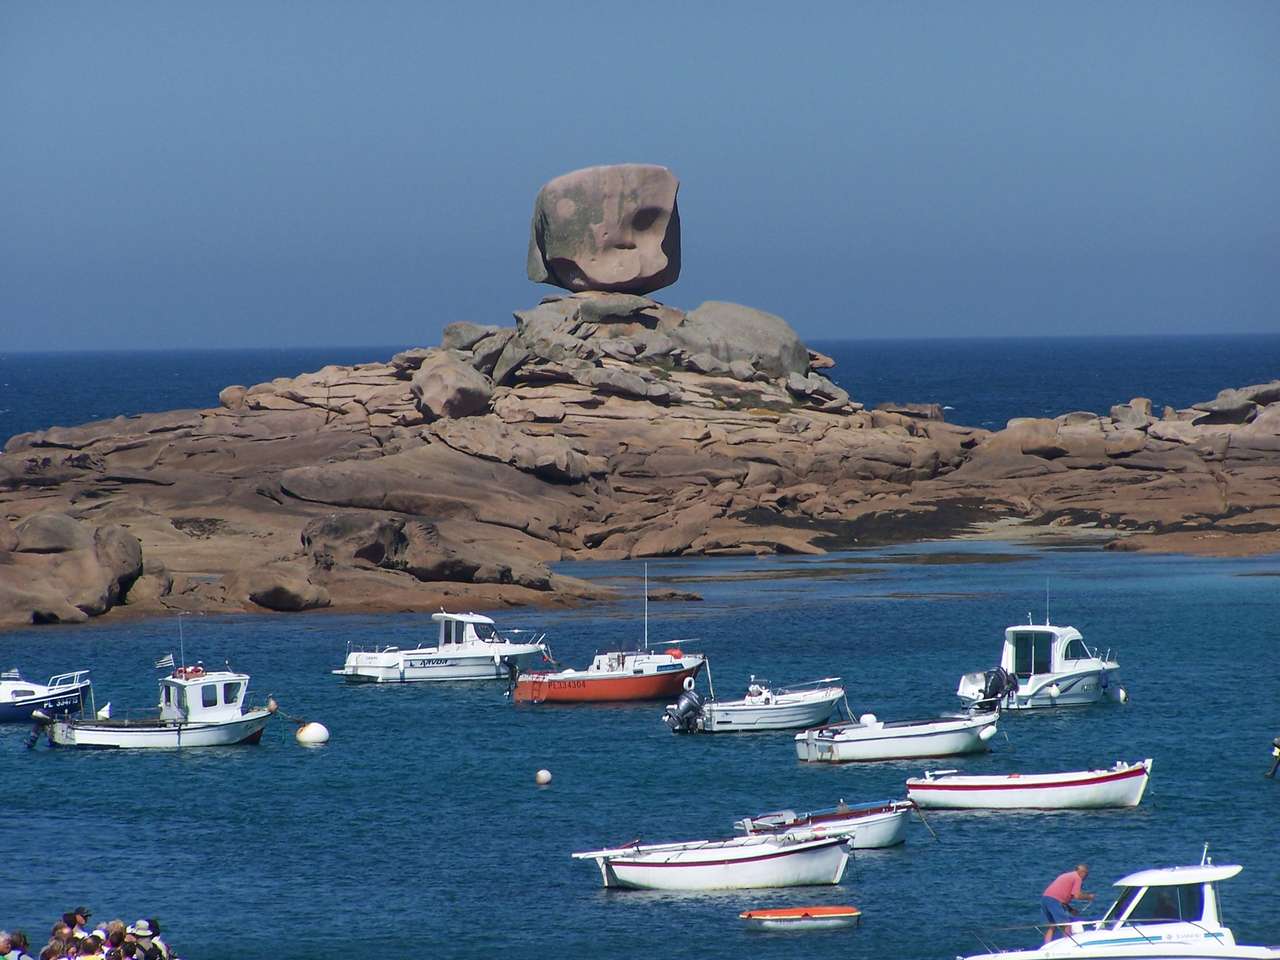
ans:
x=1175 y=876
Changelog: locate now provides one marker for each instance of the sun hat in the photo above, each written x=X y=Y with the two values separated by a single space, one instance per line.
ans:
x=141 y=929
x=100 y=933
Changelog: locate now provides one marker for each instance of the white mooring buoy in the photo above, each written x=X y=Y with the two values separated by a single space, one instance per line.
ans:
x=542 y=777
x=312 y=734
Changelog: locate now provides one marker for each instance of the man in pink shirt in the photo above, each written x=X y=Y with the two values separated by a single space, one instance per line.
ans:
x=1057 y=897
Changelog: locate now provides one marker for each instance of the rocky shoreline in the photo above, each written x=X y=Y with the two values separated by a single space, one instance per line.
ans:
x=603 y=425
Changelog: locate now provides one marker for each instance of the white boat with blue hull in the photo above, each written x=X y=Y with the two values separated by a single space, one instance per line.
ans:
x=1170 y=913
x=468 y=647
x=1044 y=666
x=63 y=693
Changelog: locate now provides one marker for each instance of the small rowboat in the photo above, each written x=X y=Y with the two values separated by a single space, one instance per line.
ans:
x=1120 y=786
x=868 y=825
x=802 y=918
x=742 y=863
x=868 y=738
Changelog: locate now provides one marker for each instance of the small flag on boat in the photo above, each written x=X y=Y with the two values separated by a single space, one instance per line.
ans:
x=164 y=662
x=105 y=712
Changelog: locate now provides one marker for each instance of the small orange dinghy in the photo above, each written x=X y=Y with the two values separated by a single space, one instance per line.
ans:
x=802 y=918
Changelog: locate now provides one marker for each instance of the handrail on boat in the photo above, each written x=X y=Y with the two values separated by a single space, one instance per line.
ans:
x=74 y=678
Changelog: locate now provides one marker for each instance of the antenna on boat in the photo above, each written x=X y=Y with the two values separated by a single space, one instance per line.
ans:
x=182 y=650
x=646 y=605
x=1204 y=855
x=1046 y=601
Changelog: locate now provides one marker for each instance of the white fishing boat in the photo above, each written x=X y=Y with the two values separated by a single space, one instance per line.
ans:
x=1044 y=666
x=63 y=693
x=1120 y=786
x=741 y=863
x=868 y=825
x=468 y=647
x=869 y=738
x=763 y=708
x=1170 y=913
x=198 y=708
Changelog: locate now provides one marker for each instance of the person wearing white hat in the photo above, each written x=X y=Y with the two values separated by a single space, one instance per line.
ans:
x=147 y=950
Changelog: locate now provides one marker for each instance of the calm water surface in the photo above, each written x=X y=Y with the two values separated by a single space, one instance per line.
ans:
x=418 y=831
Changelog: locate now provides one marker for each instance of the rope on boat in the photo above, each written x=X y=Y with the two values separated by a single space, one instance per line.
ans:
x=920 y=814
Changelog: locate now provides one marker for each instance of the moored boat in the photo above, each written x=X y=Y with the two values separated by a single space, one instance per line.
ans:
x=802 y=918
x=1161 y=914
x=63 y=693
x=741 y=863
x=1044 y=666
x=869 y=825
x=198 y=708
x=468 y=647
x=869 y=738
x=1120 y=786
x=614 y=676
x=763 y=708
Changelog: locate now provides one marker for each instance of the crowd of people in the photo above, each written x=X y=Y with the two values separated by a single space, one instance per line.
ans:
x=72 y=936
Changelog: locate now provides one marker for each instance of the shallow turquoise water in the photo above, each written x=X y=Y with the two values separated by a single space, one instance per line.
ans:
x=418 y=830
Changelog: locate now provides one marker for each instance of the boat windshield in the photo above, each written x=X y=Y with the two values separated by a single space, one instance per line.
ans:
x=1032 y=652
x=1165 y=904
x=487 y=633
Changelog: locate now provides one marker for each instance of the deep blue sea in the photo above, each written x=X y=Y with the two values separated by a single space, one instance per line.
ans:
x=982 y=382
x=418 y=830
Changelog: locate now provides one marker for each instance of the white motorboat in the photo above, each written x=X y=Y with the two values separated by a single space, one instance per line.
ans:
x=742 y=863
x=869 y=738
x=1120 y=786
x=198 y=708
x=1044 y=666
x=1171 y=913
x=869 y=825
x=63 y=693
x=763 y=708
x=468 y=647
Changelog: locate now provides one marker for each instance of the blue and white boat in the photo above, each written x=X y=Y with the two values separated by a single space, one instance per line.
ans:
x=62 y=694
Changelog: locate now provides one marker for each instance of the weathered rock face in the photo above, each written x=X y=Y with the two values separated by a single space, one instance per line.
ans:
x=730 y=331
x=445 y=385
x=614 y=228
x=60 y=570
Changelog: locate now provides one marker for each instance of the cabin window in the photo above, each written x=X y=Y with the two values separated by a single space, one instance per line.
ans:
x=231 y=692
x=1168 y=904
x=23 y=693
x=1076 y=650
x=485 y=631
x=1121 y=905
x=166 y=697
x=209 y=695
x=180 y=698
x=1032 y=653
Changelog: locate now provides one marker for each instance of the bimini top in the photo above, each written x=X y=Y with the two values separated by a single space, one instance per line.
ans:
x=1173 y=876
x=441 y=617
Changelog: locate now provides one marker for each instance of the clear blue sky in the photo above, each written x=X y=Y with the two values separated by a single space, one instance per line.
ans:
x=234 y=174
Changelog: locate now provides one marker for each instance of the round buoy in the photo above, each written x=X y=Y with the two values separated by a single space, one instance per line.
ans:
x=272 y=706
x=312 y=734
x=1054 y=691
x=986 y=733
x=542 y=777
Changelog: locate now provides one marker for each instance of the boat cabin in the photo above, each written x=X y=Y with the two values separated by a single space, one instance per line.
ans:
x=1171 y=895
x=1037 y=650
x=192 y=695
x=456 y=628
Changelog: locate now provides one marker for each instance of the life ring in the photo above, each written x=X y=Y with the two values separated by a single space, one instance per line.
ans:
x=688 y=683
x=193 y=672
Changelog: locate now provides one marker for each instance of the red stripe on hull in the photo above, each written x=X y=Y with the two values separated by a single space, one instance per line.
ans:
x=1029 y=784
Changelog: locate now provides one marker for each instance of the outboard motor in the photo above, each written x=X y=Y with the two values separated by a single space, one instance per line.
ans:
x=999 y=685
x=682 y=716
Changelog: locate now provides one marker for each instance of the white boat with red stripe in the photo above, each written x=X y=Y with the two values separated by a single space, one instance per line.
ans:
x=742 y=863
x=1119 y=786
x=869 y=826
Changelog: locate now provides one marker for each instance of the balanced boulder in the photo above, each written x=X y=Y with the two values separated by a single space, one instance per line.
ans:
x=614 y=228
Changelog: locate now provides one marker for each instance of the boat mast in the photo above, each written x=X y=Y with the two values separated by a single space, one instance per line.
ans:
x=182 y=649
x=1046 y=601
x=646 y=606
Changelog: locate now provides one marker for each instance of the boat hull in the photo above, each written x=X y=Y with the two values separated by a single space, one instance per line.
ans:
x=732 y=717
x=814 y=863
x=157 y=734
x=545 y=688
x=868 y=827
x=63 y=702
x=1090 y=789
x=427 y=666
x=909 y=741
x=802 y=918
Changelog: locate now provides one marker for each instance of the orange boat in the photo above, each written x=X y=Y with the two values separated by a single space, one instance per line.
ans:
x=802 y=918
x=642 y=675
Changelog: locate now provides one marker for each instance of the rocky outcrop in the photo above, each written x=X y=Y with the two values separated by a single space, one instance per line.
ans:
x=446 y=385
x=730 y=331
x=613 y=228
x=56 y=569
